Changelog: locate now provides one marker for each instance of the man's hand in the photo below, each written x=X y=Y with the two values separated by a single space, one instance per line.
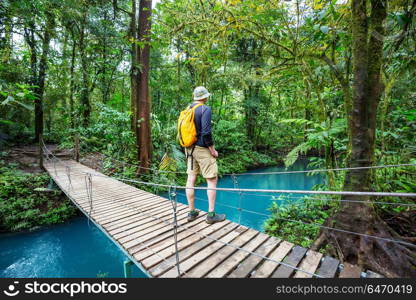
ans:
x=213 y=151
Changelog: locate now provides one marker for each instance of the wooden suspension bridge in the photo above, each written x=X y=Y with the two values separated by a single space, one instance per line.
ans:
x=142 y=225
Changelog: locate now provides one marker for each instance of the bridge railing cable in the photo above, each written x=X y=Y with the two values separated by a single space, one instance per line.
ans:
x=182 y=272
x=312 y=171
x=207 y=237
x=89 y=188
x=299 y=192
x=58 y=163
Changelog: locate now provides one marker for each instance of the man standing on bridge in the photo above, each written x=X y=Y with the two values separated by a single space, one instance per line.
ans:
x=201 y=156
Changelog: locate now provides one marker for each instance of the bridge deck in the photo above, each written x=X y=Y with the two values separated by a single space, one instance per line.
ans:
x=135 y=220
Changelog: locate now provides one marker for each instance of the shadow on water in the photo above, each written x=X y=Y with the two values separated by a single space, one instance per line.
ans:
x=76 y=249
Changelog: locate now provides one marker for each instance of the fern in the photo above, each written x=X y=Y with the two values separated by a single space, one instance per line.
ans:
x=293 y=155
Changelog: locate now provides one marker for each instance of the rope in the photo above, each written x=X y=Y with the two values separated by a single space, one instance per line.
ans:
x=68 y=174
x=270 y=191
x=335 y=229
x=173 y=200
x=330 y=170
x=284 y=219
x=145 y=214
x=218 y=240
x=88 y=187
x=314 y=224
x=235 y=182
x=307 y=198
x=213 y=239
x=350 y=193
x=272 y=197
x=279 y=191
x=274 y=173
x=138 y=239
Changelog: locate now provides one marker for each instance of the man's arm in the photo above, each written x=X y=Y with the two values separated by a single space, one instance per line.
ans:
x=206 y=131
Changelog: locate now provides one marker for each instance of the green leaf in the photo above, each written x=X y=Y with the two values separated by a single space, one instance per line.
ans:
x=324 y=29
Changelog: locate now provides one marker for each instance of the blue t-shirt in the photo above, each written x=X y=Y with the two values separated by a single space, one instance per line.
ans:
x=203 y=125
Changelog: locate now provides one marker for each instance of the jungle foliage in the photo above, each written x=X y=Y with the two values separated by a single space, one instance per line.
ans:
x=325 y=78
x=22 y=208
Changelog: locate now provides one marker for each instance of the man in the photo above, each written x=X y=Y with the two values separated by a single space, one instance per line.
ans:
x=202 y=158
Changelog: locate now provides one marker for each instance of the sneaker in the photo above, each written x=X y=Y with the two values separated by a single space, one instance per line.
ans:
x=192 y=215
x=215 y=218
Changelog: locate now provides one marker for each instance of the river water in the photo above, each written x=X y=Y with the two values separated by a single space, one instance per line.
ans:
x=79 y=249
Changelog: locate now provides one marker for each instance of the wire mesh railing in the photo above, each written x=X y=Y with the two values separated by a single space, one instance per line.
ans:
x=69 y=170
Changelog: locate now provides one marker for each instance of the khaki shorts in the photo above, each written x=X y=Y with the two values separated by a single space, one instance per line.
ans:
x=203 y=162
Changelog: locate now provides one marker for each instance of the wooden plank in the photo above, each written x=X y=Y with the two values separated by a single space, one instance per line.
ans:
x=169 y=262
x=215 y=258
x=80 y=189
x=108 y=199
x=121 y=208
x=123 y=214
x=118 y=204
x=97 y=184
x=166 y=240
x=146 y=212
x=293 y=259
x=309 y=264
x=167 y=217
x=140 y=220
x=350 y=271
x=162 y=204
x=153 y=234
x=231 y=262
x=200 y=256
x=133 y=224
x=109 y=203
x=128 y=213
x=329 y=267
x=249 y=264
x=136 y=216
x=371 y=274
x=151 y=226
x=154 y=259
x=268 y=266
x=102 y=191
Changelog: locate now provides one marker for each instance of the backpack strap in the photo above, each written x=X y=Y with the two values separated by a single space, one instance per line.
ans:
x=191 y=156
x=195 y=106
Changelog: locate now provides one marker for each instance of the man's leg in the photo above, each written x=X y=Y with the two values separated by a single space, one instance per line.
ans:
x=212 y=194
x=213 y=217
x=190 y=195
x=190 y=192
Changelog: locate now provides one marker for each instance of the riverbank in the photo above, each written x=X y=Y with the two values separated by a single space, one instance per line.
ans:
x=64 y=250
x=22 y=207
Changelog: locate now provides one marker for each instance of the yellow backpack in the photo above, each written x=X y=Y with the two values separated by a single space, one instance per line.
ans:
x=186 y=126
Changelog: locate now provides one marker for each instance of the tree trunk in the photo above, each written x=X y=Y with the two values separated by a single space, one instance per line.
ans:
x=31 y=41
x=85 y=91
x=8 y=40
x=72 y=82
x=143 y=135
x=38 y=71
x=134 y=66
x=388 y=258
x=43 y=65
